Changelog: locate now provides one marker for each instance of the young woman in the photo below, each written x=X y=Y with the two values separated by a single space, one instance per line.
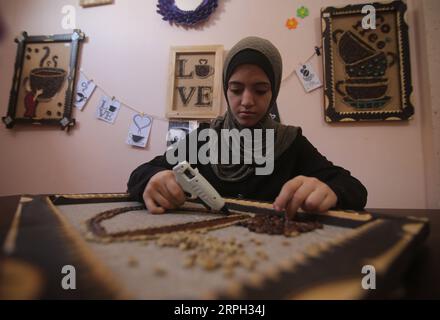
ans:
x=301 y=176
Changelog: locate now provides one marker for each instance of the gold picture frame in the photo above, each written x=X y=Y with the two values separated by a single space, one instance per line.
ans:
x=195 y=86
x=92 y=3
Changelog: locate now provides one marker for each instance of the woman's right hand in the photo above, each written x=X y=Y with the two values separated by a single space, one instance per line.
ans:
x=163 y=192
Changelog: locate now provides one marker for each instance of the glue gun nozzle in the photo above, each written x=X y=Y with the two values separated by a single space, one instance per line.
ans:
x=225 y=210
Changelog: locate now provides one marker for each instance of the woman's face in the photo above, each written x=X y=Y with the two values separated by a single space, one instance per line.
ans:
x=249 y=94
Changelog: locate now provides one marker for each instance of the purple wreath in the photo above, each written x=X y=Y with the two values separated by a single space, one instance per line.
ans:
x=171 y=13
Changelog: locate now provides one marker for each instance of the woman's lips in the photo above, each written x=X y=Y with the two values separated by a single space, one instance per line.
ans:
x=247 y=114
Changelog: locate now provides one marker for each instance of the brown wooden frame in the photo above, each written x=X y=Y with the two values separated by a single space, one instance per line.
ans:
x=367 y=106
x=209 y=58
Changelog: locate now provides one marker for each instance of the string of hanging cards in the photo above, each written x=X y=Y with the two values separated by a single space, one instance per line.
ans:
x=139 y=130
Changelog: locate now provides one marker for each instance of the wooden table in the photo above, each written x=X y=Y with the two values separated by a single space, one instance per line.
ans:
x=421 y=281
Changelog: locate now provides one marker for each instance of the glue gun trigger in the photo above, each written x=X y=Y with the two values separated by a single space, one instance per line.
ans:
x=189 y=195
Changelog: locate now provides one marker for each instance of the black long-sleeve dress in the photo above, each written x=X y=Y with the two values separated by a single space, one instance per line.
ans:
x=301 y=158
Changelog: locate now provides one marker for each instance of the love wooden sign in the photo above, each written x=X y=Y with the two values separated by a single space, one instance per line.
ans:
x=195 y=82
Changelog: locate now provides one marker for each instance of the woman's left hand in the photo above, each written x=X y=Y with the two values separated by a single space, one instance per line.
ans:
x=307 y=193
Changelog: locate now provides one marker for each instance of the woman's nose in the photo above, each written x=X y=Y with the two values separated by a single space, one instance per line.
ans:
x=247 y=98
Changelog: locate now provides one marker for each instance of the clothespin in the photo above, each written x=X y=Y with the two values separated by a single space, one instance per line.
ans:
x=318 y=51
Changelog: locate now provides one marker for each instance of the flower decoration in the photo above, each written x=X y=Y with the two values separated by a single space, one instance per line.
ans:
x=302 y=12
x=172 y=13
x=291 y=23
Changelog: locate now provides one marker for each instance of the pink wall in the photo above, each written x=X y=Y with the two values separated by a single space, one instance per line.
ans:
x=127 y=54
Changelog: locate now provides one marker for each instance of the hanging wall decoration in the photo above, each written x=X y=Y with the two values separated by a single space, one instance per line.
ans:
x=177 y=130
x=108 y=109
x=291 y=23
x=367 y=71
x=93 y=3
x=302 y=12
x=43 y=82
x=172 y=13
x=139 y=130
x=308 y=77
x=84 y=90
x=195 y=82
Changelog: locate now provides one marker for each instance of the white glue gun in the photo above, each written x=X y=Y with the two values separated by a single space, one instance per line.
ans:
x=194 y=183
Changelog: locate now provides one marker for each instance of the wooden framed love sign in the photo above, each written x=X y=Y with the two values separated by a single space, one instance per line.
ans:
x=195 y=82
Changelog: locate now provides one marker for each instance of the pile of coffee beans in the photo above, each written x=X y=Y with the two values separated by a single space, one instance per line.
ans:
x=278 y=225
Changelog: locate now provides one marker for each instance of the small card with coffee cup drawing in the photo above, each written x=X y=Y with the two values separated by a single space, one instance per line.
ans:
x=139 y=130
x=107 y=109
x=84 y=90
x=308 y=77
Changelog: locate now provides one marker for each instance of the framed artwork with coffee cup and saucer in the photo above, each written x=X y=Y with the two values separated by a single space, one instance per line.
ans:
x=195 y=87
x=367 y=72
x=43 y=80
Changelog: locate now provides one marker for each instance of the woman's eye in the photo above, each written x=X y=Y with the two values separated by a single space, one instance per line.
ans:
x=236 y=91
x=261 y=92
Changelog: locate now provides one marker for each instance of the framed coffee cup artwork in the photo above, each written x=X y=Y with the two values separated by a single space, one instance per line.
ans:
x=43 y=80
x=195 y=87
x=367 y=72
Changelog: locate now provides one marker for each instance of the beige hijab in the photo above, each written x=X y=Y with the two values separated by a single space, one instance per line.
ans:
x=284 y=135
